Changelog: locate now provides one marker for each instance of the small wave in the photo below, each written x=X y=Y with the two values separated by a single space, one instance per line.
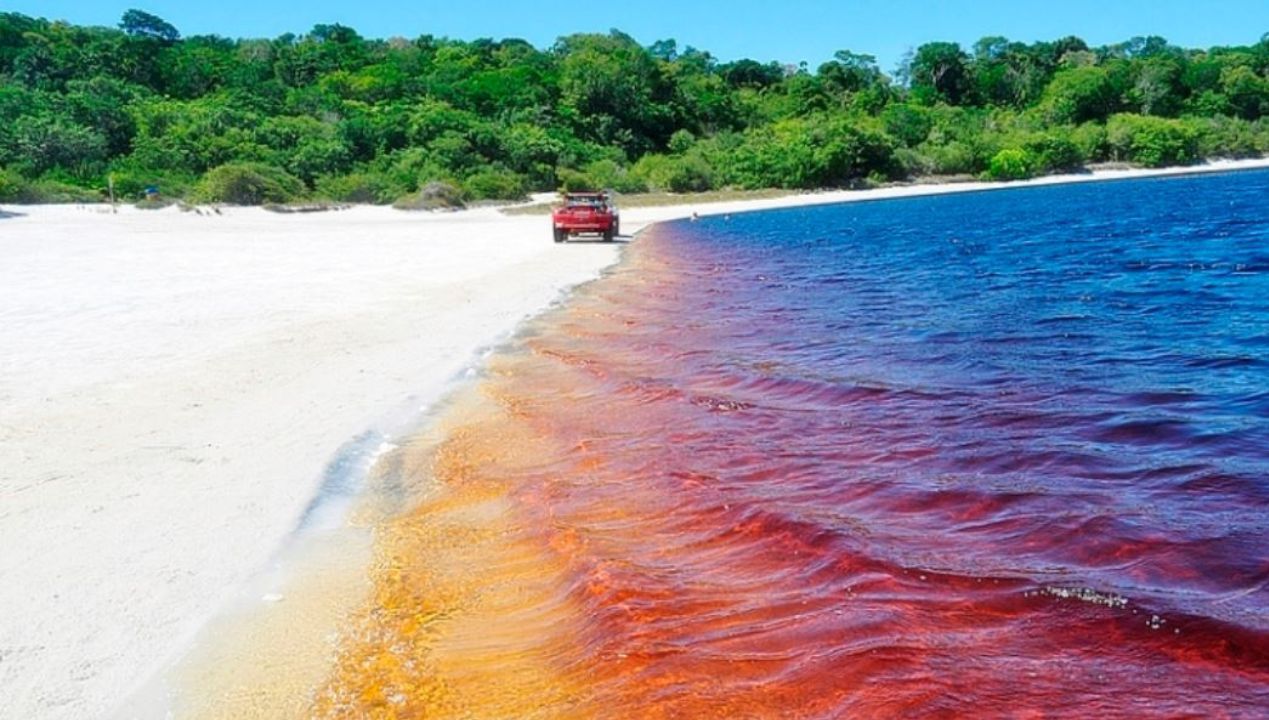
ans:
x=1221 y=362
x=1144 y=432
x=343 y=480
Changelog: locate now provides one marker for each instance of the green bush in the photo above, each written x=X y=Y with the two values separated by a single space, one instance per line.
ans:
x=130 y=183
x=1011 y=164
x=57 y=192
x=689 y=173
x=911 y=162
x=1152 y=141
x=910 y=124
x=651 y=170
x=1227 y=137
x=1090 y=141
x=681 y=141
x=12 y=186
x=18 y=190
x=495 y=184
x=954 y=158
x=363 y=187
x=609 y=174
x=1054 y=153
x=248 y=184
x=409 y=169
x=436 y=195
x=816 y=151
x=571 y=180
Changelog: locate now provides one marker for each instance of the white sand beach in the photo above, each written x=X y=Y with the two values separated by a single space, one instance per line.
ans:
x=173 y=386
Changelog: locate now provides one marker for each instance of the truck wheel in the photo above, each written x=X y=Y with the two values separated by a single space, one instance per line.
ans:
x=560 y=235
x=608 y=235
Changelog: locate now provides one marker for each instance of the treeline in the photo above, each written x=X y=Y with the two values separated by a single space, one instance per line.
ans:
x=331 y=114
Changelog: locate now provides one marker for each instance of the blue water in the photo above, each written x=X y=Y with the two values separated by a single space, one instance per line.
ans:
x=1103 y=344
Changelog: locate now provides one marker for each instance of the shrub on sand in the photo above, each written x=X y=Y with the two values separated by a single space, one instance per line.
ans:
x=248 y=184
x=18 y=190
x=436 y=195
x=1011 y=164
x=608 y=174
x=495 y=184
x=130 y=182
x=1152 y=141
x=571 y=180
x=12 y=186
x=361 y=187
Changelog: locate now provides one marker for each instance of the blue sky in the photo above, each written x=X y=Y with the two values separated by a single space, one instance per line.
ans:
x=789 y=31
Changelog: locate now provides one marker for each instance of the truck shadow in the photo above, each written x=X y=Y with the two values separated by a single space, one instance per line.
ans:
x=618 y=240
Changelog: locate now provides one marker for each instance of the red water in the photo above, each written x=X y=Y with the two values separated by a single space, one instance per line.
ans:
x=632 y=518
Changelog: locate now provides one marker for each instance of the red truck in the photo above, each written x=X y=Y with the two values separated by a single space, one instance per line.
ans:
x=586 y=213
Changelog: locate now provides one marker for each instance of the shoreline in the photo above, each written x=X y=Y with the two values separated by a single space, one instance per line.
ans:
x=917 y=189
x=178 y=387
x=680 y=209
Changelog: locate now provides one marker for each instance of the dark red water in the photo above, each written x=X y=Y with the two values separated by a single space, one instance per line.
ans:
x=995 y=455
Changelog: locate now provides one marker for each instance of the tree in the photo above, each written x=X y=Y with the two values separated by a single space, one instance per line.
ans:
x=993 y=47
x=614 y=92
x=14 y=29
x=752 y=74
x=939 y=71
x=850 y=72
x=910 y=124
x=1158 y=89
x=335 y=34
x=46 y=143
x=1247 y=92
x=1145 y=47
x=105 y=105
x=144 y=25
x=1078 y=95
x=667 y=50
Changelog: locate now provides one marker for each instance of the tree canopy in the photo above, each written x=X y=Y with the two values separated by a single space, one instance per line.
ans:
x=142 y=24
x=330 y=113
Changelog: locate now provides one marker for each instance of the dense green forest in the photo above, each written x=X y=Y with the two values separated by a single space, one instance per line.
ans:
x=333 y=115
